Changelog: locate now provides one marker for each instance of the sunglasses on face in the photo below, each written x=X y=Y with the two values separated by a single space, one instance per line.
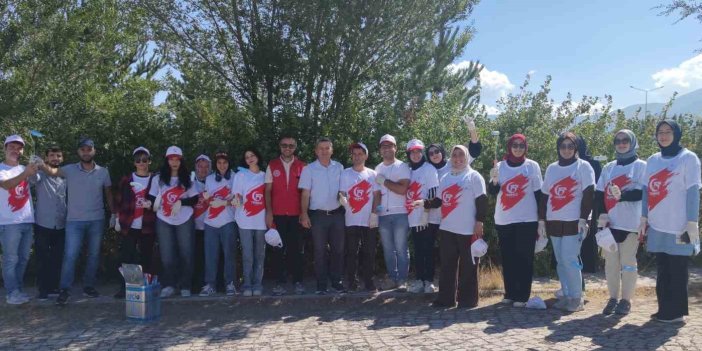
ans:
x=621 y=141
x=141 y=160
x=567 y=147
x=432 y=153
x=519 y=146
x=287 y=146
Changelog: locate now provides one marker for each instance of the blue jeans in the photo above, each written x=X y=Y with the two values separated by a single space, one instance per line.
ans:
x=76 y=232
x=176 y=244
x=224 y=237
x=253 y=252
x=567 y=251
x=16 y=240
x=394 y=235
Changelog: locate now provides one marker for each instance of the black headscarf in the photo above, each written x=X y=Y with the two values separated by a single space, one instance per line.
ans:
x=443 y=155
x=570 y=136
x=584 y=154
x=674 y=147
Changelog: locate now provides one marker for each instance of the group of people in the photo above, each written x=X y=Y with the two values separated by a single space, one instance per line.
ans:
x=434 y=195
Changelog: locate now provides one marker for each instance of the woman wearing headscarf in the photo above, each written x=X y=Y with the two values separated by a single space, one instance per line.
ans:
x=516 y=181
x=564 y=207
x=424 y=181
x=618 y=197
x=463 y=204
x=588 y=252
x=670 y=210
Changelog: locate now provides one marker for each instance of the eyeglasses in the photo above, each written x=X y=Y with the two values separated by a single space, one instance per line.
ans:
x=287 y=146
x=519 y=146
x=621 y=141
x=141 y=160
x=432 y=153
x=567 y=147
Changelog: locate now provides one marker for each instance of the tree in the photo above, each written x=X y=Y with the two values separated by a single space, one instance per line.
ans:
x=682 y=9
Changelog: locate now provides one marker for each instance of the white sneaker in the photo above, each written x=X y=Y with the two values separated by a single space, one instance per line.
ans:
x=506 y=301
x=519 y=304
x=16 y=298
x=429 y=287
x=559 y=293
x=247 y=292
x=257 y=292
x=231 y=289
x=416 y=287
x=167 y=292
x=402 y=286
x=206 y=291
x=185 y=292
x=575 y=305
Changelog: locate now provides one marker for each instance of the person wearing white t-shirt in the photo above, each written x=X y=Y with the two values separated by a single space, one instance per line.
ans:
x=173 y=196
x=392 y=180
x=463 y=204
x=357 y=197
x=203 y=168
x=516 y=182
x=16 y=218
x=249 y=200
x=618 y=195
x=220 y=228
x=320 y=197
x=424 y=181
x=670 y=218
x=565 y=205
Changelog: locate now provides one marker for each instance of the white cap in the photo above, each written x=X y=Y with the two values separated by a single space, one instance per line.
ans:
x=478 y=249
x=387 y=137
x=141 y=149
x=174 y=151
x=14 y=139
x=415 y=144
x=273 y=238
x=605 y=240
x=359 y=145
x=203 y=157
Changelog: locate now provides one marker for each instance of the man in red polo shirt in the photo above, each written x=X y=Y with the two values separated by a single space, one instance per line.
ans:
x=282 y=213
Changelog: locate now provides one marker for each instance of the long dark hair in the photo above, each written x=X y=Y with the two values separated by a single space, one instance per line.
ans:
x=183 y=174
x=242 y=161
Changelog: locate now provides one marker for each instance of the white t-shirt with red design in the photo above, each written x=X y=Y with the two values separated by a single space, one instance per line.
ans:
x=622 y=215
x=422 y=179
x=218 y=217
x=564 y=187
x=668 y=180
x=516 y=202
x=435 y=213
x=16 y=203
x=139 y=192
x=358 y=187
x=458 y=194
x=392 y=203
x=250 y=186
x=200 y=208
x=170 y=193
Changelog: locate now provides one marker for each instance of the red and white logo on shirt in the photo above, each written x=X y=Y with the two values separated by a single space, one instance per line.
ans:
x=658 y=187
x=201 y=206
x=562 y=193
x=620 y=181
x=222 y=194
x=170 y=197
x=140 y=198
x=276 y=173
x=513 y=191
x=449 y=199
x=19 y=196
x=414 y=192
x=359 y=195
x=254 y=203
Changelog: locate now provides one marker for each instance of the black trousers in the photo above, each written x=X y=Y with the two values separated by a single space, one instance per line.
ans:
x=457 y=269
x=671 y=285
x=361 y=244
x=289 y=258
x=424 y=252
x=328 y=238
x=517 y=241
x=48 y=245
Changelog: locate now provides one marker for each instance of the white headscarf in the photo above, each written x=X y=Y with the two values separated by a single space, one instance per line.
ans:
x=465 y=151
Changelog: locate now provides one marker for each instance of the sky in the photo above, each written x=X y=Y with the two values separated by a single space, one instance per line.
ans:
x=591 y=47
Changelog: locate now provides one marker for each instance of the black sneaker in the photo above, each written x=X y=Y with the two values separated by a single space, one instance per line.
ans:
x=43 y=296
x=623 y=308
x=54 y=292
x=611 y=305
x=439 y=304
x=89 y=291
x=63 y=297
x=338 y=288
x=320 y=291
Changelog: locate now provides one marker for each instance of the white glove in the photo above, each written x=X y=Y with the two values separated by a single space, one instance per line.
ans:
x=541 y=229
x=602 y=220
x=642 y=228
x=236 y=202
x=615 y=191
x=494 y=175
x=380 y=179
x=373 y=220
x=216 y=203
x=36 y=160
x=693 y=230
x=176 y=208
x=118 y=227
x=582 y=228
x=418 y=203
x=342 y=200
x=146 y=204
x=469 y=122
x=206 y=195
x=113 y=220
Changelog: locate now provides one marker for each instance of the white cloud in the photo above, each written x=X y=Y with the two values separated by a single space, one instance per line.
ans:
x=531 y=72
x=494 y=84
x=686 y=77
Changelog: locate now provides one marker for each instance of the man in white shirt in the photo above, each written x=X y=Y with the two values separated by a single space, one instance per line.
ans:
x=322 y=212
x=392 y=180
